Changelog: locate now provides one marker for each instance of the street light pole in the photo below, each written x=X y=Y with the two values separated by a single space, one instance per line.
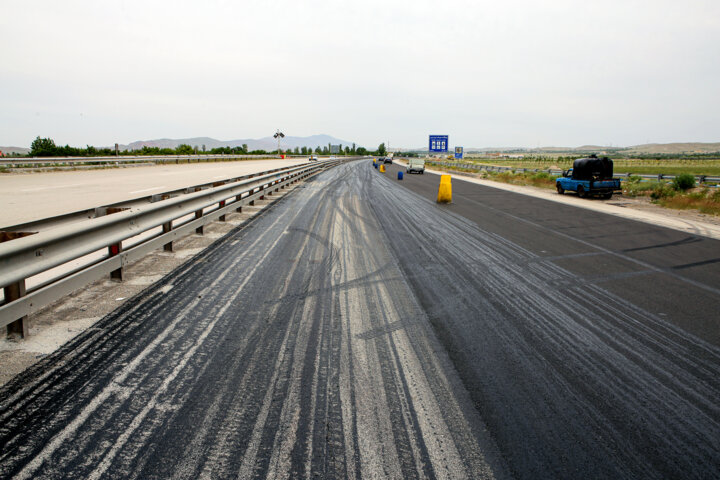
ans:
x=279 y=135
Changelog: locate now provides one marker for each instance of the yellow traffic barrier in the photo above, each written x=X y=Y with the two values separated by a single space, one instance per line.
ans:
x=445 y=190
x=382 y=168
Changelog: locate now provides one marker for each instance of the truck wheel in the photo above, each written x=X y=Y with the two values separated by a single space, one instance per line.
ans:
x=560 y=189
x=607 y=196
x=581 y=191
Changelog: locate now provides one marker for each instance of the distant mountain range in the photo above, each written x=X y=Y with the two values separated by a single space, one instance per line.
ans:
x=267 y=143
x=9 y=150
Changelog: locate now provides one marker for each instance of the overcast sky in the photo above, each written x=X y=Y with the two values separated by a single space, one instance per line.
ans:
x=487 y=73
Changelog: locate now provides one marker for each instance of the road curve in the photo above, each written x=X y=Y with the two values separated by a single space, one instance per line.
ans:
x=358 y=330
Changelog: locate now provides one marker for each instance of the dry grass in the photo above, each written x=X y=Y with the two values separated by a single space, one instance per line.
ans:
x=703 y=200
x=541 y=179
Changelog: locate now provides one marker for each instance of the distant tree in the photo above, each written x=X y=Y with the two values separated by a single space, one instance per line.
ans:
x=297 y=150
x=43 y=147
x=382 y=151
x=361 y=151
x=304 y=151
x=353 y=149
x=318 y=150
x=326 y=150
x=347 y=150
x=203 y=147
x=245 y=148
x=184 y=149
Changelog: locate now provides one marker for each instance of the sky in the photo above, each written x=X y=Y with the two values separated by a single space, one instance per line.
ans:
x=525 y=73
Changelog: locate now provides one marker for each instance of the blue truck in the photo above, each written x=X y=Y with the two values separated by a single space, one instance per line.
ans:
x=589 y=177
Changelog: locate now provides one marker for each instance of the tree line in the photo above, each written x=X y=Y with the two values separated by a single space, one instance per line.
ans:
x=46 y=147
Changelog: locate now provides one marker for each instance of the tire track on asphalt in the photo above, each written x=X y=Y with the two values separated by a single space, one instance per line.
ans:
x=118 y=379
x=293 y=348
x=565 y=381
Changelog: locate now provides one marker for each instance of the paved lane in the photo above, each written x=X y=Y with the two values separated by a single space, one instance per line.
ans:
x=359 y=330
x=34 y=196
x=294 y=348
x=589 y=343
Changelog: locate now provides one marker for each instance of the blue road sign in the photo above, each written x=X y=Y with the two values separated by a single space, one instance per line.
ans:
x=438 y=143
x=458 y=153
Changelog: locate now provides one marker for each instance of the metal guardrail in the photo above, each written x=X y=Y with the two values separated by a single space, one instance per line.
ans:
x=491 y=168
x=155 y=225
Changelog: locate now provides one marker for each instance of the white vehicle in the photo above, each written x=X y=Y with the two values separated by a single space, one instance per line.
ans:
x=313 y=158
x=415 y=165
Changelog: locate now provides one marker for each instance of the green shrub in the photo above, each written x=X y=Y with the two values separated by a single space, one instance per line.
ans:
x=661 y=191
x=683 y=182
x=542 y=176
x=635 y=189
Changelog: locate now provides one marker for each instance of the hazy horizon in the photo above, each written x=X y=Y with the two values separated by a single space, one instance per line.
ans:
x=516 y=74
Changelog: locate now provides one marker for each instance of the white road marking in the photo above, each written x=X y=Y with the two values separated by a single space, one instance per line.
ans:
x=50 y=187
x=147 y=189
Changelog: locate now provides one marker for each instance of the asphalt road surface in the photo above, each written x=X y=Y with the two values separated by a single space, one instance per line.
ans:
x=359 y=330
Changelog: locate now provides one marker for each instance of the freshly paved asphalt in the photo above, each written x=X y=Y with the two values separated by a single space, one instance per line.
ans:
x=357 y=329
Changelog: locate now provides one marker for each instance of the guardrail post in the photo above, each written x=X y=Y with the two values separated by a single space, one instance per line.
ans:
x=21 y=326
x=167 y=228
x=199 y=214
x=114 y=250
x=237 y=199
x=660 y=176
x=221 y=204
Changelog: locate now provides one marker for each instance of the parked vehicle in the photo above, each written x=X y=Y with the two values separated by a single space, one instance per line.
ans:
x=415 y=165
x=589 y=176
x=313 y=158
